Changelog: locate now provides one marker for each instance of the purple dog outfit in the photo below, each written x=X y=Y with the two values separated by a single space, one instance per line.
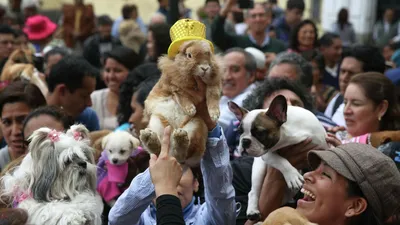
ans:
x=109 y=180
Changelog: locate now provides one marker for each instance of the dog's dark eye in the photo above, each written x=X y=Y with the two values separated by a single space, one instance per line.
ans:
x=240 y=129
x=189 y=55
x=260 y=133
x=122 y=151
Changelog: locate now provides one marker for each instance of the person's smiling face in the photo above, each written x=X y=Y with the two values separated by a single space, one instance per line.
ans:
x=326 y=198
x=236 y=78
x=306 y=36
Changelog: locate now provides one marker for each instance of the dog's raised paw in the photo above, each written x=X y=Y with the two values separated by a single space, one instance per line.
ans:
x=145 y=135
x=190 y=110
x=180 y=143
x=180 y=136
x=294 y=180
x=150 y=139
x=214 y=114
x=254 y=216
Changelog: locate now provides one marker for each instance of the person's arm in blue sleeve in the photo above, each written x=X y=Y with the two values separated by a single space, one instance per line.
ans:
x=115 y=27
x=219 y=207
x=93 y=120
x=89 y=118
x=134 y=201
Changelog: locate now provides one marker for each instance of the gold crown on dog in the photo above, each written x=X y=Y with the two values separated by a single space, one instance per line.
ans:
x=186 y=30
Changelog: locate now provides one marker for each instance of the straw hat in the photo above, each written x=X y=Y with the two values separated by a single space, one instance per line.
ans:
x=186 y=30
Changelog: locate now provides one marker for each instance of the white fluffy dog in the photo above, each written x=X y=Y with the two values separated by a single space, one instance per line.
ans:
x=56 y=181
x=119 y=146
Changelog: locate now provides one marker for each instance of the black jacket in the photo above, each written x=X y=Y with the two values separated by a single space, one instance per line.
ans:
x=91 y=49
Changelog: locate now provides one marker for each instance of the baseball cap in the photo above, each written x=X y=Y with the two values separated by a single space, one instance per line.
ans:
x=375 y=173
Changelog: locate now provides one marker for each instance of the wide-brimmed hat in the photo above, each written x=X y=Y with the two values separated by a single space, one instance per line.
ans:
x=39 y=27
x=375 y=173
x=186 y=30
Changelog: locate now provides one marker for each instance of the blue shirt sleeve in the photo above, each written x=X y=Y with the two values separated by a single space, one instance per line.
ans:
x=115 y=27
x=89 y=118
x=220 y=206
x=134 y=201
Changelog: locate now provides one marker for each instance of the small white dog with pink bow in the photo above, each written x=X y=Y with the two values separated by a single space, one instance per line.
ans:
x=56 y=181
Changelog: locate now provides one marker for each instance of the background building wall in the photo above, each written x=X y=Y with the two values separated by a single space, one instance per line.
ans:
x=362 y=14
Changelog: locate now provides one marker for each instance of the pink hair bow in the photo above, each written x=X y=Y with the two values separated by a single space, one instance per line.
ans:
x=78 y=136
x=20 y=197
x=54 y=136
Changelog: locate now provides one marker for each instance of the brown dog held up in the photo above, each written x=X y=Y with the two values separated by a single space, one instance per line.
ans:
x=286 y=216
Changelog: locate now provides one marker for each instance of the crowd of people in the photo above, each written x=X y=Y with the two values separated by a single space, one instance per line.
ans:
x=92 y=70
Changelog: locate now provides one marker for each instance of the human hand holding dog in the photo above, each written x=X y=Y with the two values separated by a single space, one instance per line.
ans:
x=335 y=129
x=332 y=140
x=199 y=95
x=297 y=154
x=165 y=170
x=274 y=185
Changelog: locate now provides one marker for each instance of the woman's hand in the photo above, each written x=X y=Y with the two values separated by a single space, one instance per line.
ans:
x=165 y=170
x=297 y=154
x=332 y=140
x=199 y=96
x=336 y=129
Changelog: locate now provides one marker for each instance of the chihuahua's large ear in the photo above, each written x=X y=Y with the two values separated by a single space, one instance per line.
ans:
x=134 y=142
x=237 y=110
x=278 y=110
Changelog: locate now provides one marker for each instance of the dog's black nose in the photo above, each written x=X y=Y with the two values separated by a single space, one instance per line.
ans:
x=115 y=161
x=246 y=143
x=82 y=164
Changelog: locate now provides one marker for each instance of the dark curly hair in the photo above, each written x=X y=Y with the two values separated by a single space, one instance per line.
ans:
x=130 y=85
x=256 y=99
x=57 y=113
x=370 y=56
x=294 y=41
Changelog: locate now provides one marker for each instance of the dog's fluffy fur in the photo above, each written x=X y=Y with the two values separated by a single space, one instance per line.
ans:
x=59 y=179
x=170 y=104
x=286 y=216
x=18 y=56
x=119 y=146
x=263 y=132
x=28 y=72
x=383 y=137
x=96 y=137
